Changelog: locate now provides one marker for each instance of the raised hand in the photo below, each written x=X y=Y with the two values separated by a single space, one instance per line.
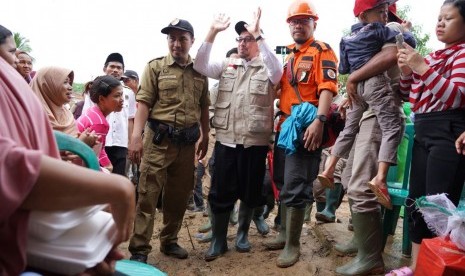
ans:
x=254 y=26
x=220 y=22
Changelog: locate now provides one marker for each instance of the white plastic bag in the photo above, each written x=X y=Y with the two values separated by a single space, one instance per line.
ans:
x=443 y=218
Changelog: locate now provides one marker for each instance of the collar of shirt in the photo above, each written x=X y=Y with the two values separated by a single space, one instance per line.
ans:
x=304 y=46
x=170 y=60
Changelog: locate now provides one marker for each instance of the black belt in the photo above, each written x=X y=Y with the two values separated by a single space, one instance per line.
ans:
x=179 y=136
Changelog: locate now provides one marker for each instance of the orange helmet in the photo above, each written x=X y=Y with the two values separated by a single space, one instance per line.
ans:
x=301 y=7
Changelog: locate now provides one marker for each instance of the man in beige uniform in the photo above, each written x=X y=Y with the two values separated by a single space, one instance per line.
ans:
x=173 y=99
x=243 y=122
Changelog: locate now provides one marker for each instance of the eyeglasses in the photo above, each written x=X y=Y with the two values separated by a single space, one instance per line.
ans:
x=302 y=21
x=246 y=39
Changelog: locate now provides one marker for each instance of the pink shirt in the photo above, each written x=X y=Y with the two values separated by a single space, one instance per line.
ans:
x=93 y=119
x=25 y=135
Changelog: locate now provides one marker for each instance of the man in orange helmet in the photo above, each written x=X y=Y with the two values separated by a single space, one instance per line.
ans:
x=309 y=76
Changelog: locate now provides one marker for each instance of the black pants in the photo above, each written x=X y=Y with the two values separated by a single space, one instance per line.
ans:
x=294 y=175
x=238 y=174
x=117 y=156
x=436 y=166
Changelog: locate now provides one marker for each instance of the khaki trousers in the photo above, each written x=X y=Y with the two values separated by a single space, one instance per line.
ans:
x=169 y=168
x=363 y=163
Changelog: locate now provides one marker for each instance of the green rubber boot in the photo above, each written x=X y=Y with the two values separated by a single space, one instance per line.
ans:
x=245 y=217
x=291 y=252
x=346 y=249
x=280 y=241
x=350 y=248
x=233 y=218
x=207 y=237
x=369 y=240
x=308 y=212
x=332 y=199
x=208 y=225
x=219 y=244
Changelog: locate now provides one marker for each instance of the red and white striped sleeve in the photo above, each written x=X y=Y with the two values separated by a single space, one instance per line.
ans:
x=448 y=87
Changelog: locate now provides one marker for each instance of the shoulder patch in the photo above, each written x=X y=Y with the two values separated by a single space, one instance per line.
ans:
x=327 y=46
x=158 y=58
x=329 y=74
x=328 y=63
x=321 y=46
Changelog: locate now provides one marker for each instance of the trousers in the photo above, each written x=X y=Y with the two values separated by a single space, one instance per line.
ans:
x=169 y=168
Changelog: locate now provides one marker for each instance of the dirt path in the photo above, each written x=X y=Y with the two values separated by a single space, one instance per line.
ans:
x=316 y=257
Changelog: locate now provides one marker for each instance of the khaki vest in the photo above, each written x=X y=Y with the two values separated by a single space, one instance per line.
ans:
x=244 y=105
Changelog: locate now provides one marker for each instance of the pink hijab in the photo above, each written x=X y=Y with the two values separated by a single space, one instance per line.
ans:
x=48 y=86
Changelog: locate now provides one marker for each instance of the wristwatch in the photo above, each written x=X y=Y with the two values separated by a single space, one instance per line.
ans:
x=322 y=118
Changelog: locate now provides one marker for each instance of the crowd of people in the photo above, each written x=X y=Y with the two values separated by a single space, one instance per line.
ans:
x=153 y=131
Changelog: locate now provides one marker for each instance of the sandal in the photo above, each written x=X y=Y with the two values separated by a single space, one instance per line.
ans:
x=327 y=182
x=382 y=194
x=403 y=271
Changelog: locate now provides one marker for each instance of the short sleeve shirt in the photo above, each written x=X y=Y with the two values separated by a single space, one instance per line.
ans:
x=175 y=94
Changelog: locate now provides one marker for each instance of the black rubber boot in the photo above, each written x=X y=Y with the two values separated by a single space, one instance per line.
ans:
x=219 y=244
x=291 y=252
x=245 y=217
x=369 y=239
x=259 y=221
x=332 y=199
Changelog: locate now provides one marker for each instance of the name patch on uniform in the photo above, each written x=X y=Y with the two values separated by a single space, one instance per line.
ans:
x=305 y=65
x=167 y=77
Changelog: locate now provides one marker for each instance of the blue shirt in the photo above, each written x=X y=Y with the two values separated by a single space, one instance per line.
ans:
x=365 y=41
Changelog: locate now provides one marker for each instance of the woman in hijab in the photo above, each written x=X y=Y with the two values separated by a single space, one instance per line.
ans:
x=33 y=178
x=53 y=87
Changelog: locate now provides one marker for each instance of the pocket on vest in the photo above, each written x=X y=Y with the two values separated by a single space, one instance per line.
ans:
x=221 y=117
x=260 y=119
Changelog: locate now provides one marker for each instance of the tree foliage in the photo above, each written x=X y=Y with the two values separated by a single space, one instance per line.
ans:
x=78 y=87
x=417 y=31
x=22 y=43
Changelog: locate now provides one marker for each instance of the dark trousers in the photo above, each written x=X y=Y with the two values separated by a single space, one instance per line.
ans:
x=436 y=166
x=238 y=174
x=294 y=175
x=117 y=156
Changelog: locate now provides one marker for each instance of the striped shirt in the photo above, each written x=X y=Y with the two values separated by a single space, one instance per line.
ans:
x=442 y=87
x=93 y=119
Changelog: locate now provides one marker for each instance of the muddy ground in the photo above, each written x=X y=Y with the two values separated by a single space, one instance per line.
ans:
x=317 y=256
